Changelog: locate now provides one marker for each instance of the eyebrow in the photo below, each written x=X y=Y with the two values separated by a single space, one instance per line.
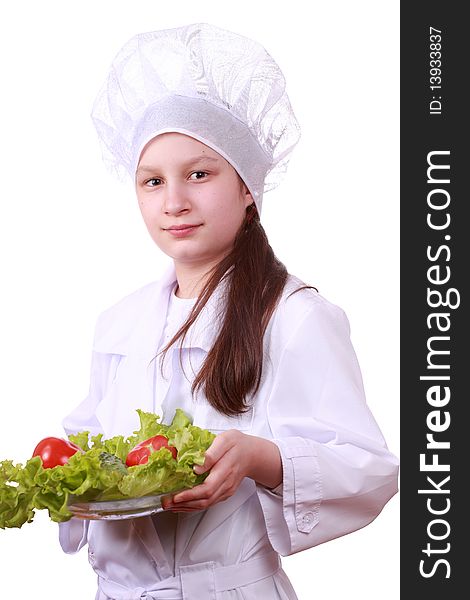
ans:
x=191 y=161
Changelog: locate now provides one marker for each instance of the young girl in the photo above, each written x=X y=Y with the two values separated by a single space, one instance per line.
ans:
x=200 y=119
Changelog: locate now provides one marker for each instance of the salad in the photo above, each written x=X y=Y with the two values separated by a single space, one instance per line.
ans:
x=156 y=459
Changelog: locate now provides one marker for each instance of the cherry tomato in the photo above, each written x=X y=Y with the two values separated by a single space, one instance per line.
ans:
x=55 y=451
x=139 y=455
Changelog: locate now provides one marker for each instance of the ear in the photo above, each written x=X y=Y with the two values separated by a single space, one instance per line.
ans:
x=247 y=197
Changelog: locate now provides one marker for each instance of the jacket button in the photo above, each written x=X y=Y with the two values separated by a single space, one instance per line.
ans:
x=308 y=517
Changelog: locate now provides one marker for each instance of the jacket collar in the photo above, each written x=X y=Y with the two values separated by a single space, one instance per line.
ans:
x=146 y=336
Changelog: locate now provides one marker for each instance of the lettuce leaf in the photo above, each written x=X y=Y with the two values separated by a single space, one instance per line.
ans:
x=17 y=492
x=99 y=473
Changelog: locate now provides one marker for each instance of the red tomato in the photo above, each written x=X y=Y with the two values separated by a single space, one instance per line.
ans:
x=139 y=455
x=55 y=451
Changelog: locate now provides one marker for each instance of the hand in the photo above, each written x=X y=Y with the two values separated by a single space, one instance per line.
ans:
x=228 y=461
x=232 y=456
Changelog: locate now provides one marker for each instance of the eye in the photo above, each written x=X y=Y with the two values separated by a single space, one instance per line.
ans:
x=203 y=173
x=149 y=181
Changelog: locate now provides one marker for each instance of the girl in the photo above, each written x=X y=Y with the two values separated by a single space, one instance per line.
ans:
x=199 y=118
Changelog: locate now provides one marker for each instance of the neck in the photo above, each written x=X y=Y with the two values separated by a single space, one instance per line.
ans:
x=191 y=279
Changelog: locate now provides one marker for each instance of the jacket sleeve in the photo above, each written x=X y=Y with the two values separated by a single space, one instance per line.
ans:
x=73 y=533
x=337 y=471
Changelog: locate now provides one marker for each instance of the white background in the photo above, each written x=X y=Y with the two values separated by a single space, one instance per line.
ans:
x=72 y=241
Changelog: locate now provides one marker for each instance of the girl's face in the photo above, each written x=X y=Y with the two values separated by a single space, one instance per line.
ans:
x=182 y=182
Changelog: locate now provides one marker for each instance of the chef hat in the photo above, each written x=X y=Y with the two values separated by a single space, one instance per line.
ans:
x=218 y=87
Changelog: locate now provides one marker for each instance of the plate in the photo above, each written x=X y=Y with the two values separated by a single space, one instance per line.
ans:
x=116 y=510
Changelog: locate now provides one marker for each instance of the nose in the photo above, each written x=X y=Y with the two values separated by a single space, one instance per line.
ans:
x=175 y=199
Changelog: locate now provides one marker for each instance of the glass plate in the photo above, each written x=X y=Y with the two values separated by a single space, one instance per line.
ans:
x=127 y=508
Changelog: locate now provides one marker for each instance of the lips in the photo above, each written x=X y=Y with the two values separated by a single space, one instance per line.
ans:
x=179 y=231
x=183 y=226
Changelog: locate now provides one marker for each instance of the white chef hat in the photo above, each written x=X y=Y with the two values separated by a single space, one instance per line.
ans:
x=216 y=86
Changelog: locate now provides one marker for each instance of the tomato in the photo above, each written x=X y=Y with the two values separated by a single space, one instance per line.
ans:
x=139 y=455
x=55 y=451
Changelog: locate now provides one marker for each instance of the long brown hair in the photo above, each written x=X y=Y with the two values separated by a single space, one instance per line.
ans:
x=256 y=278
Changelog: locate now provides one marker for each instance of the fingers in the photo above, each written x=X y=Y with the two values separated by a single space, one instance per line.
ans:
x=215 y=488
x=221 y=444
x=200 y=492
x=198 y=503
x=223 y=480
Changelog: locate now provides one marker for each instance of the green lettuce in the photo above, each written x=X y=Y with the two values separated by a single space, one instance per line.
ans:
x=99 y=472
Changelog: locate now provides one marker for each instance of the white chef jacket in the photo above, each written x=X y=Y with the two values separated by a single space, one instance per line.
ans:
x=337 y=471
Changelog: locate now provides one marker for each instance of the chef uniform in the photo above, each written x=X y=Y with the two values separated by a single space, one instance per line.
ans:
x=337 y=470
